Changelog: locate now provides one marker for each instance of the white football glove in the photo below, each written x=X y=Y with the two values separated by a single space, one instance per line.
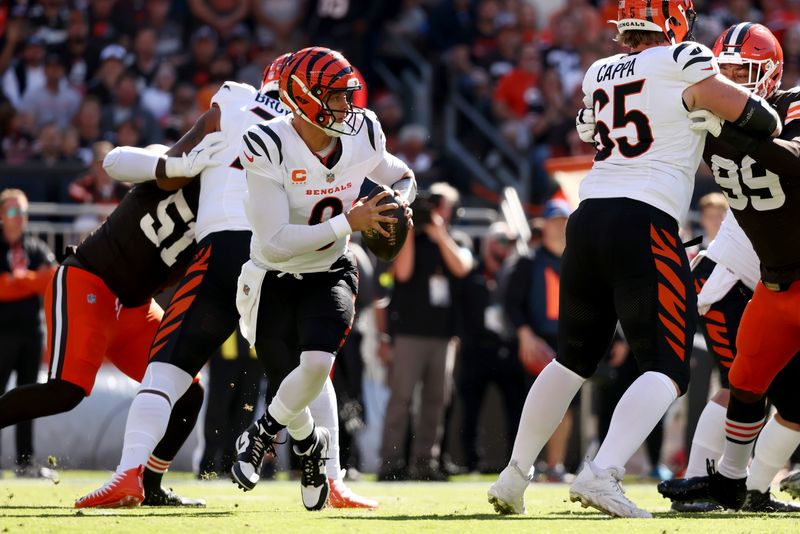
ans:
x=584 y=123
x=704 y=120
x=201 y=157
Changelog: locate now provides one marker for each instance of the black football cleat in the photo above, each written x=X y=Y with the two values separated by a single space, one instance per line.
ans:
x=695 y=507
x=727 y=492
x=167 y=497
x=764 y=503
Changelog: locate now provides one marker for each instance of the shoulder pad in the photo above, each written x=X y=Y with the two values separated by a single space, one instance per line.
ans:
x=787 y=103
x=233 y=93
x=374 y=131
x=262 y=141
x=694 y=61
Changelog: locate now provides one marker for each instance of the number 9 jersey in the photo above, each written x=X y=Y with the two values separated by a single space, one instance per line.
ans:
x=645 y=149
x=765 y=204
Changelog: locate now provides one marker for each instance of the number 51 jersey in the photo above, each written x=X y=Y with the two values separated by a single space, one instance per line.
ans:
x=146 y=243
x=645 y=149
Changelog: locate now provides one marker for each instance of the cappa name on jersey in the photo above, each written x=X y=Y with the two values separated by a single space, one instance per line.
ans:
x=611 y=72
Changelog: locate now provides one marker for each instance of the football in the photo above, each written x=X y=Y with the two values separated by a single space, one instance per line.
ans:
x=387 y=248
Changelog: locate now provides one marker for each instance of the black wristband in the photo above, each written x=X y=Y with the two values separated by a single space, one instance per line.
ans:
x=738 y=139
x=758 y=118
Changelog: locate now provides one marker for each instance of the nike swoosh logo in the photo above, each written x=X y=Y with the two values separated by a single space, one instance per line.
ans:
x=249 y=158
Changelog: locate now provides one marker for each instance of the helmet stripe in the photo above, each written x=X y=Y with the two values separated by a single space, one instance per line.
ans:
x=647 y=13
x=665 y=9
x=311 y=63
x=324 y=68
x=736 y=35
x=345 y=70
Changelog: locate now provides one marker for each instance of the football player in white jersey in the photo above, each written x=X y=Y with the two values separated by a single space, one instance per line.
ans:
x=624 y=260
x=202 y=313
x=207 y=292
x=296 y=293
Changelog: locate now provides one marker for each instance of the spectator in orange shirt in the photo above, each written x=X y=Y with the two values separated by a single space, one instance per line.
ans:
x=512 y=92
x=26 y=266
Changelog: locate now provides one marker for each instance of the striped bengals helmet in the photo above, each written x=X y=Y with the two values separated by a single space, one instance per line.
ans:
x=308 y=82
x=754 y=46
x=271 y=79
x=675 y=18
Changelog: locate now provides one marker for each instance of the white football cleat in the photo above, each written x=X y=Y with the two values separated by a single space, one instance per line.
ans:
x=601 y=489
x=507 y=495
x=314 y=485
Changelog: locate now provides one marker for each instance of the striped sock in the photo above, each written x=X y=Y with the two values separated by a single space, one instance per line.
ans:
x=739 y=440
x=157 y=465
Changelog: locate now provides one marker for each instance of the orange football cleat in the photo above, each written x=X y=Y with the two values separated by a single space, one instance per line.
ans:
x=341 y=496
x=124 y=490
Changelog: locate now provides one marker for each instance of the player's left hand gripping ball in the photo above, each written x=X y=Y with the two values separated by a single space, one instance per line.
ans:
x=387 y=248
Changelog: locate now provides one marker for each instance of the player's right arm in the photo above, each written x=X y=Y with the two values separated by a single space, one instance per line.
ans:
x=187 y=158
x=268 y=206
x=780 y=155
x=709 y=90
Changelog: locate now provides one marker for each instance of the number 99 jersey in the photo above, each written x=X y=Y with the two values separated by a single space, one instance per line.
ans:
x=145 y=244
x=767 y=206
x=645 y=149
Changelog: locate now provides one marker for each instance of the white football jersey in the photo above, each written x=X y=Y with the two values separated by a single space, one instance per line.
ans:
x=646 y=150
x=224 y=188
x=732 y=249
x=275 y=151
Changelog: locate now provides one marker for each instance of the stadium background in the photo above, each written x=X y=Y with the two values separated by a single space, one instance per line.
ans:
x=478 y=93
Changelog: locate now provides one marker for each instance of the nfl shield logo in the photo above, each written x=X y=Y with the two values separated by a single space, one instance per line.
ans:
x=246 y=289
x=330 y=177
x=91 y=298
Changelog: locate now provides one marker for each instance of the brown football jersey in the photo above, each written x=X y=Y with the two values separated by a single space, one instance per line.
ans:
x=145 y=244
x=766 y=205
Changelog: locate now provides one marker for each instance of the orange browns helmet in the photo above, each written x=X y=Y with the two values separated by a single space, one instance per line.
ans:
x=271 y=79
x=310 y=78
x=675 y=18
x=754 y=46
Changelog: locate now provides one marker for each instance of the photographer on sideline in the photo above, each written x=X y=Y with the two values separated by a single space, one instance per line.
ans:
x=421 y=331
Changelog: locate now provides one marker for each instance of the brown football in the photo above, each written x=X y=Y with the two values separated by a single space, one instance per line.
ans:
x=387 y=248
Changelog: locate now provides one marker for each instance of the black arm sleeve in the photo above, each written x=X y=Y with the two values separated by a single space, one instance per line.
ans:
x=758 y=118
x=780 y=156
x=515 y=300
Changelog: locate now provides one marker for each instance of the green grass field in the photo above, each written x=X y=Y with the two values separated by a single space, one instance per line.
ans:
x=33 y=506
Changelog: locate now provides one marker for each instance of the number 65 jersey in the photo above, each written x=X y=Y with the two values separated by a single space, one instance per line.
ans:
x=146 y=243
x=766 y=205
x=645 y=149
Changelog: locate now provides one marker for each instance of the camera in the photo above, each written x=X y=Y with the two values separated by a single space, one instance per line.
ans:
x=422 y=206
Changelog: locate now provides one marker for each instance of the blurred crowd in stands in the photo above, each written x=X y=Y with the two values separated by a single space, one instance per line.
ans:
x=138 y=72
